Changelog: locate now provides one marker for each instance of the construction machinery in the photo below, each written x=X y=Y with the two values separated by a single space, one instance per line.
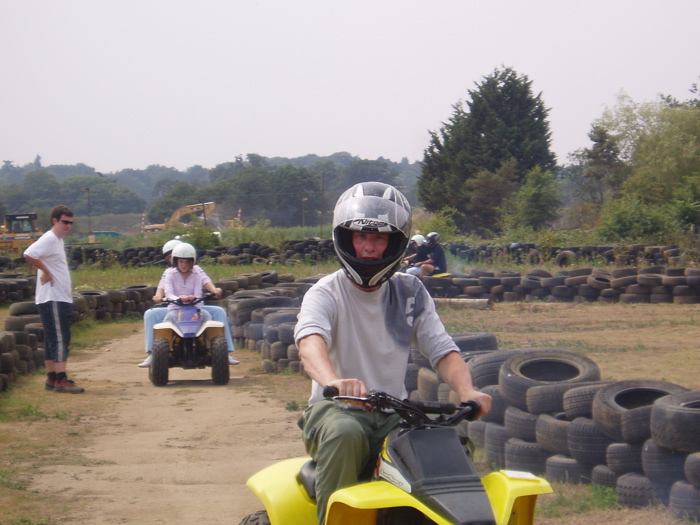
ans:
x=203 y=208
x=19 y=231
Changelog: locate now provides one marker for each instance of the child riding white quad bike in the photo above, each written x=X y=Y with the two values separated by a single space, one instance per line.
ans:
x=188 y=342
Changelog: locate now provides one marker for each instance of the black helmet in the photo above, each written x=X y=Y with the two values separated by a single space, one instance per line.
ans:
x=433 y=238
x=373 y=207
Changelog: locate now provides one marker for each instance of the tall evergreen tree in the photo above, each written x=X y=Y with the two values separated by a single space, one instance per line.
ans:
x=505 y=122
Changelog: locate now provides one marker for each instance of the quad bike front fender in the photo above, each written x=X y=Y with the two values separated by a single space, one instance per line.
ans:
x=282 y=495
x=359 y=504
x=513 y=495
x=168 y=330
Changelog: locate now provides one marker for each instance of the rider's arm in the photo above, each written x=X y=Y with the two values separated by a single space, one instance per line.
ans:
x=456 y=373
x=209 y=286
x=314 y=356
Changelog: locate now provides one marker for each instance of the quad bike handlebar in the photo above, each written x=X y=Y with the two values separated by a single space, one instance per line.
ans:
x=414 y=413
x=178 y=301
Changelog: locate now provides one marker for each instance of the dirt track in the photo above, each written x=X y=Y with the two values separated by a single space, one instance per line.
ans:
x=175 y=454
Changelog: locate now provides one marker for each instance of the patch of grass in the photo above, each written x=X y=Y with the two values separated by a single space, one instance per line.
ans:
x=6 y=481
x=576 y=499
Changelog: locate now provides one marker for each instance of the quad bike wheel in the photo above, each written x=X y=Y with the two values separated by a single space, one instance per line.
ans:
x=257 y=518
x=160 y=353
x=219 y=361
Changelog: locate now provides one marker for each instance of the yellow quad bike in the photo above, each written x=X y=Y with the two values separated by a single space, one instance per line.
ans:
x=424 y=475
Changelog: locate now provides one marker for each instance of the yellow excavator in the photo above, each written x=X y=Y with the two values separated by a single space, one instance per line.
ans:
x=19 y=231
x=203 y=208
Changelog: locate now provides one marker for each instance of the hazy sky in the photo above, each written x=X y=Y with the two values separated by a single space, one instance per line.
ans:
x=127 y=83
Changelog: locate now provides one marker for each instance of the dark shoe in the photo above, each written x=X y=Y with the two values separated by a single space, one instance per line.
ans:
x=50 y=385
x=67 y=387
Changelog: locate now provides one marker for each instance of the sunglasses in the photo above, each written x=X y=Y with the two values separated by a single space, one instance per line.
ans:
x=64 y=221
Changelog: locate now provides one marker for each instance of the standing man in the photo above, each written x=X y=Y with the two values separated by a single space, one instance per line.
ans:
x=54 y=298
x=437 y=261
x=355 y=330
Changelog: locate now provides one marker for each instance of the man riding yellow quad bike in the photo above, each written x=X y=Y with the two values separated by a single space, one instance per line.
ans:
x=424 y=475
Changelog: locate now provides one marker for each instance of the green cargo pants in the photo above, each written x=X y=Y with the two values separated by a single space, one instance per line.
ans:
x=344 y=444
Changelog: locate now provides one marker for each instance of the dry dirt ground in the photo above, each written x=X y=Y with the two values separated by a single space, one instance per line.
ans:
x=128 y=452
x=174 y=454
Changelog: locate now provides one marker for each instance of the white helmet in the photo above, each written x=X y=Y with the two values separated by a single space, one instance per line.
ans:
x=418 y=239
x=373 y=207
x=184 y=251
x=168 y=246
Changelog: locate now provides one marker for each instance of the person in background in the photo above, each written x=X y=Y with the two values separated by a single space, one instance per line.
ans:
x=156 y=315
x=54 y=299
x=421 y=249
x=436 y=261
x=355 y=330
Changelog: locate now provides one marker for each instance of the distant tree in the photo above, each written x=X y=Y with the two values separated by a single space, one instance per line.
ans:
x=601 y=171
x=536 y=203
x=15 y=198
x=105 y=196
x=43 y=188
x=504 y=122
x=366 y=170
x=182 y=194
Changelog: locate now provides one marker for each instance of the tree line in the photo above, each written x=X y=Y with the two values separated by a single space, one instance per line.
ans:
x=489 y=171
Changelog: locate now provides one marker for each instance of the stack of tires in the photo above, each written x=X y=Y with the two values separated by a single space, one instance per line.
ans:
x=310 y=249
x=16 y=287
x=19 y=343
x=553 y=416
x=262 y=319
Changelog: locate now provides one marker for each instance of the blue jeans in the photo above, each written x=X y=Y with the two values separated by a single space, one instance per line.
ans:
x=153 y=316
x=57 y=318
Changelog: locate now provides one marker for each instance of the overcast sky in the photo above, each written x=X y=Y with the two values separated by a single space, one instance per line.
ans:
x=127 y=83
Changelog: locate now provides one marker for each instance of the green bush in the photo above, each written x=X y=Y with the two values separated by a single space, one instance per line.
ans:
x=629 y=219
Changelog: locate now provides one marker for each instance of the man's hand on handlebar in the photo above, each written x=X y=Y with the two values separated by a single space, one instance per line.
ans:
x=349 y=387
x=484 y=401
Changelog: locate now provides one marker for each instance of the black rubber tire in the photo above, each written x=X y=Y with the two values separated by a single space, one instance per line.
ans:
x=428 y=384
x=23 y=308
x=220 y=372
x=565 y=469
x=587 y=444
x=475 y=341
x=485 y=368
x=692 y=469
x=495 y=438
x=602 y=475
x=536 y=368
x=578 y=402
x=16 y=323
x=160 y=366
x=476 y=432
x=662 y=465
x=675 y=420
x=636 y=491
x=549 y=399
x=613 y=400
x=624 y=457
x=419 y=359
x=257 y=518
x=7 y=363
x=525 y=456
x=520 y=424
x=551 y=433
x=684 y=501
x=565 y=258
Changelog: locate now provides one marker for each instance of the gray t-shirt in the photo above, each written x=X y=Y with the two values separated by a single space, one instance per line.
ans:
x=369 y=334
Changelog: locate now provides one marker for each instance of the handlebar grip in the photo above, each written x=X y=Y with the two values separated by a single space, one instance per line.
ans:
x=330 y=391
x=431 y=407
x=474 y=407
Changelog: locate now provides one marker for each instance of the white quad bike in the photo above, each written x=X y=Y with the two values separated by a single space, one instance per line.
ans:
x=188 y=342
